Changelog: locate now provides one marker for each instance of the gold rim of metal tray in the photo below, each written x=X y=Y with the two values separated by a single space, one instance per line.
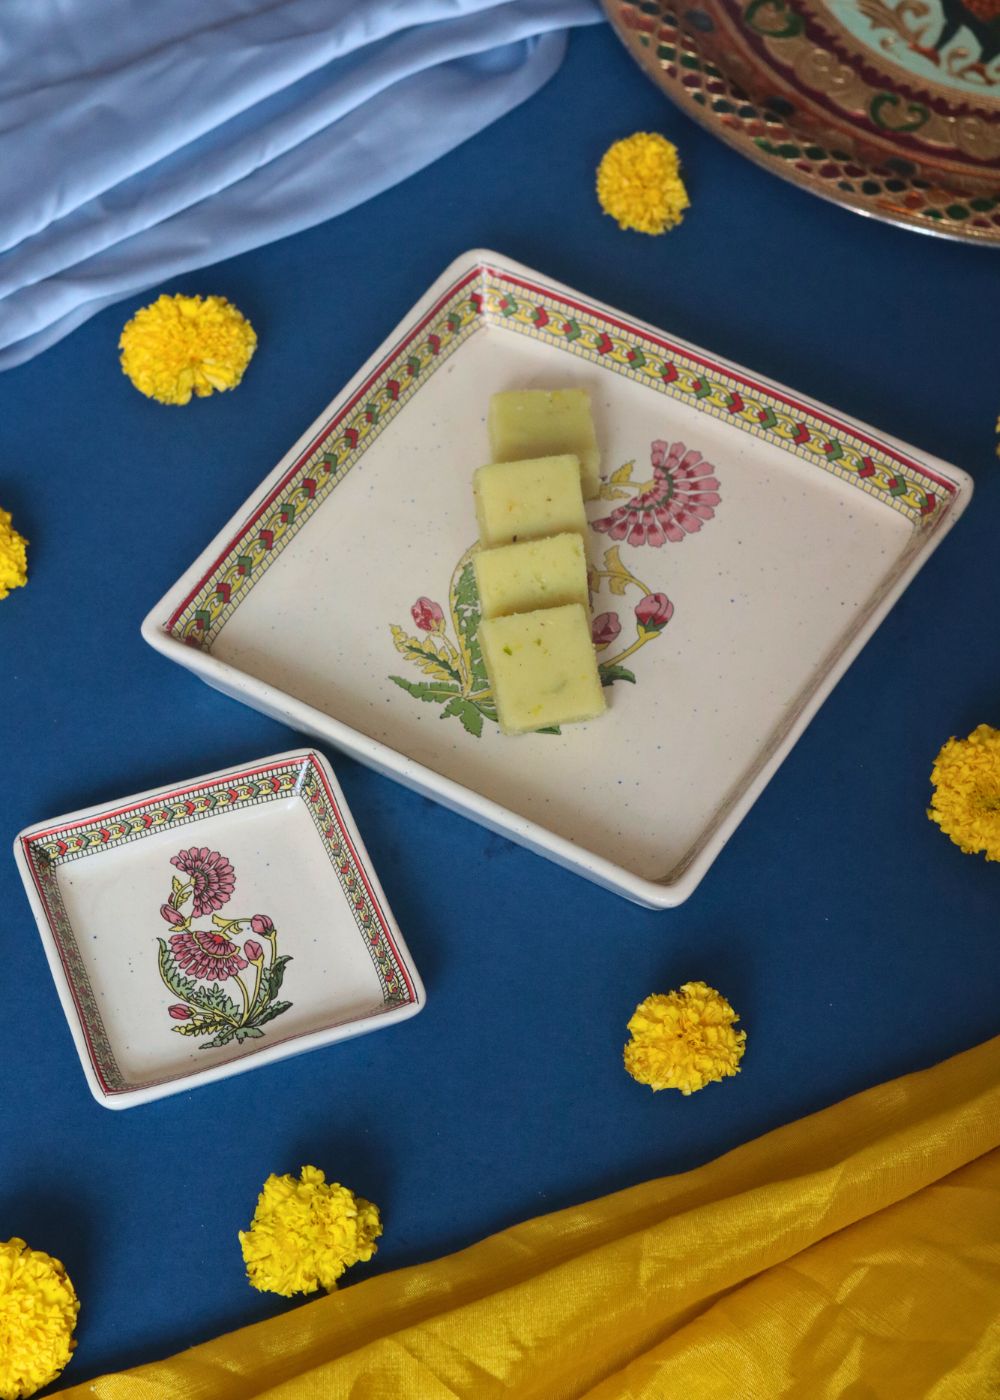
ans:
x=676 y=57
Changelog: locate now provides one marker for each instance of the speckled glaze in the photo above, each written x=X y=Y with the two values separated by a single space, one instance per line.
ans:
x=745 y=546
x=96 y=882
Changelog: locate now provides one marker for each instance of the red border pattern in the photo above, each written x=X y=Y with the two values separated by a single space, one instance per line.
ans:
x=767 y=413
x=331 y=454
x=45 y=851
x=490 y=296
x=397 y=989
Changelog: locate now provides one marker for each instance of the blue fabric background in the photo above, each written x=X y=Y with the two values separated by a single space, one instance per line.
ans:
x=855 y=940
x=158 y=137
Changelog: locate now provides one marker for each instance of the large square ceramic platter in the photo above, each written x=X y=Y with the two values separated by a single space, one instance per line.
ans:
x=214 y=926
x=746 y=544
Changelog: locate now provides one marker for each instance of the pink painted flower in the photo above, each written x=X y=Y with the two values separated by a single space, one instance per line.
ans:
x=253 y=950
x=207 y=955
x=179 y=1012
x=678 y=500
x=213 y=876
x=604 y=629
x=260 y=923
x=427 y=615
x=654 y=612
x=168 y=912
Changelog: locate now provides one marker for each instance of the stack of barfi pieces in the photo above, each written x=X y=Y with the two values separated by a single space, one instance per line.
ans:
x=531 y=566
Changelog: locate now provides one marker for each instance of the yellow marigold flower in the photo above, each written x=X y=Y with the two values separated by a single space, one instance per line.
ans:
x=639 y=183
x=684 y=1040
x=13 y=556
x=304 y=1234
x=38 y=1311
x=182 y=345
x=966 y=801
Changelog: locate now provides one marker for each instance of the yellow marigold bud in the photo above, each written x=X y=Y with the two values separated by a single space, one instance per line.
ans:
x=13 y=556
x=684 y=1040
x=181 y=346
x=305 y=1233
x=966 y=800
x=38 y=1311
x=639 y=183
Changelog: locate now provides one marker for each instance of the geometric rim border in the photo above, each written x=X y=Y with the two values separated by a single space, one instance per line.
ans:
x=489 y=296
x=46 y=850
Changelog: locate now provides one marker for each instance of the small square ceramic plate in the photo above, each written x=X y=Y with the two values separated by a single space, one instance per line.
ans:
x=745 y=546
x=197 y=931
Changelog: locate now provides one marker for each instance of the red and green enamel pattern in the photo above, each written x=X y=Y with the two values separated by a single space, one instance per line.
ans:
x=891 y=107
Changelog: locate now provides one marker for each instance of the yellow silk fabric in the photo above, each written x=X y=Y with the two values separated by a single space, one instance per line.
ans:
x=853 y=1254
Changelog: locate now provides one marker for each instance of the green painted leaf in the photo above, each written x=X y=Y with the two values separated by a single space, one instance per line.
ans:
x=464 y=598
x=205 y=998
x=196 y=1028
x=467 y=712
x=225 y=1035
x=181 y=986
x=277 y=1008
x=426 y=653
x=427 y=690
x=216 y=998
x=549 y=729
x=262 y=997
x=610 y=674
x=276 y=975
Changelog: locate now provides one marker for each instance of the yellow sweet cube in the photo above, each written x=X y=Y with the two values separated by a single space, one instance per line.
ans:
x=539 y=422
x=537 y=574
x=528 y=500
x=542 y=667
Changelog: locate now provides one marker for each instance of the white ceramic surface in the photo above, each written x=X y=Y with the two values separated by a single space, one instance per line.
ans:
x=746 y=546
x=273 y=839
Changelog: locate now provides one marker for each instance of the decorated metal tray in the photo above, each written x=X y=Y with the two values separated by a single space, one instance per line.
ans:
x=745 y=545
x=890 y=107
